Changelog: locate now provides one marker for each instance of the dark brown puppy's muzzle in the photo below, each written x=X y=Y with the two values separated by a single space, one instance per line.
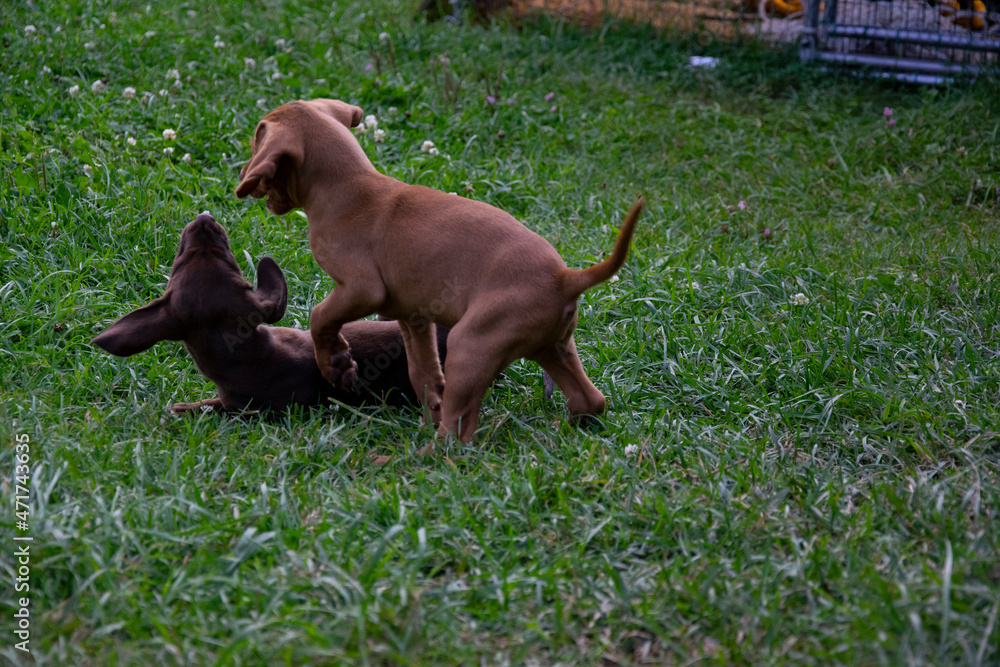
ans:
x=204 y=231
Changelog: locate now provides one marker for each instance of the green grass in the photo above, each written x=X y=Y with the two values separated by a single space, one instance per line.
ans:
x=811 y=484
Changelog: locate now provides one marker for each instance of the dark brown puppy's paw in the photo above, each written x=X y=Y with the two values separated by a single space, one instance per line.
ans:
x=209 y=405
x=342 y=371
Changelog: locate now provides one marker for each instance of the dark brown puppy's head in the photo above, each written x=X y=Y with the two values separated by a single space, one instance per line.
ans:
x=206 y=293
x=283 y=141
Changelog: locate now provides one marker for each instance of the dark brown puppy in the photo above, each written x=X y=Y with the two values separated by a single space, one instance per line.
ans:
x=221 y=318
x=424 y=257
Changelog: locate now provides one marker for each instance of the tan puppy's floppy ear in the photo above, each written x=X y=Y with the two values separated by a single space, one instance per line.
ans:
x=271 y=145
x=356 y=115
x=140 y=330
x=272 y=290
x=346 y=114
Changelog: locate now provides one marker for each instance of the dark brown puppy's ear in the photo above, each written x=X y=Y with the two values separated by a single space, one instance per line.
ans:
x=272 y=290
x=272 y=143
x=140 y=330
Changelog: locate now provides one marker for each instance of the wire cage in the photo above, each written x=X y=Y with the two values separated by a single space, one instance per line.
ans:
x=923 y=41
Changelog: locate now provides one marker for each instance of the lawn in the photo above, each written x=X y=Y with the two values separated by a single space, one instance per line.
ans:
x=800 y=463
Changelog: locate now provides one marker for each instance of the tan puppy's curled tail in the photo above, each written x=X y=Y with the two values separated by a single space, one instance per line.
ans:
x=578 y=281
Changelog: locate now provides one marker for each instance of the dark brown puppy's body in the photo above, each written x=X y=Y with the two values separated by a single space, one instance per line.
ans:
x=422 y=256
x=222 y=321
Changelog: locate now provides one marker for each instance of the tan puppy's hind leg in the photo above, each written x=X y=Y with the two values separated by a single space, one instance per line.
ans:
x=562 y=362
x=420 y=341
x=471 y=367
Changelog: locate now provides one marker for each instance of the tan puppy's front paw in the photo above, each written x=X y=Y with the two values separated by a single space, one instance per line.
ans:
x=434 y=404
x=342 y=370
x=433 y=398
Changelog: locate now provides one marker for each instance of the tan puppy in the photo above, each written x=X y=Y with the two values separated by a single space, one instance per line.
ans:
x=422 y=257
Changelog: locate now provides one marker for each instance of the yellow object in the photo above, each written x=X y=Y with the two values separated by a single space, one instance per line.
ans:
x=780 y=8
x=783 y=7
x=975 y=22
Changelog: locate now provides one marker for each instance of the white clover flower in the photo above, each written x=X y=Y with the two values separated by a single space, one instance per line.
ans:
x=173 y=74
x=695 y=285
x=379 y=136
x=73 y=90
x=131 y=141
x=361 y=129
x=129 y=93
x=218 y=42
x=55 y=224
x=631 y=450
x=29 y=31
x=150 y=34
x=163 y=92
x=799 y=299
x=89 y=46
x=46 y=69
x=186 y=159
x=88 y=170
x=371 y=122
x=97 y=87
x=168 y=150
x=433 y=152
x=393 y=111
x=279 y=43
x=614 y=278
x=192 y=13
x=276 y=76
x=58 y=29
x=169 y=135
x=249 y=63
x=384 y=37
x=262 y=104
x=427 y=146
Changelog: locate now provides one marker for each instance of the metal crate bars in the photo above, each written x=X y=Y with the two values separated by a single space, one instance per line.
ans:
x=911 y=40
